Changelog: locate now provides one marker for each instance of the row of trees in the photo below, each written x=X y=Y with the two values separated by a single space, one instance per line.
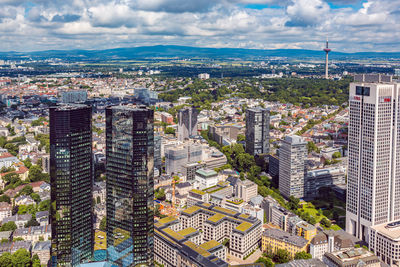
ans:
x=307 y=92
x=281 y=256
x=19 y=258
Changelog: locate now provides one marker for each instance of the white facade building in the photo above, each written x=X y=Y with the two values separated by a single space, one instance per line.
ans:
x=292 y=156
x=373 y=183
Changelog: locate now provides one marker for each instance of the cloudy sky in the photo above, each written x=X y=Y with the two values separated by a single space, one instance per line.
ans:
x=372 y=25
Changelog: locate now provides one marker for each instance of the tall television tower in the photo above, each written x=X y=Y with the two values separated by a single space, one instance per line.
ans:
x=327 y=50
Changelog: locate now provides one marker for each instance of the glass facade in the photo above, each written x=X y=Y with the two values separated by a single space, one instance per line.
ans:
x=257 y=131
x=71 y=184
x=130 y=182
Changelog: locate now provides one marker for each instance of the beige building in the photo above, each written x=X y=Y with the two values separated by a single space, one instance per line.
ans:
x=5 y=210
x=351 y=257
x=275 y=239
x=246 y=190
x=178 y=246
x=385 y=242
x=243 y=231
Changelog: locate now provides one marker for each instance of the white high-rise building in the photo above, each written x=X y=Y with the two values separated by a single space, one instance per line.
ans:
x=292 y=156
x=373 y=182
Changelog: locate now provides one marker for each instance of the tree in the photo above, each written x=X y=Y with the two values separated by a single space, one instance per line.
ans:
x=240 y=138
x=35 y=197
x=27 y=190
x=5 y=198
x=35 y=261
x=282 y=256
x=9 y=226
x=160 y=194
x=21 y=258
x=312 y=147
x=170 y=130
x=11 y=178
x=336 y=155
x=293 y=203
x=326 y=222
x=27 y=163
x=44 y=205
x=5 y=260
x=103 y=223
x=12 y=148
x=98 y=200
x=32 y=222
x=302 y=256
x=35 y=173
x=267 y=261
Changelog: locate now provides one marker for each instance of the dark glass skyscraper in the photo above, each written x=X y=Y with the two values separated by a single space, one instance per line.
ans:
x=130 y=181
x=257 y=131
x=71 y=184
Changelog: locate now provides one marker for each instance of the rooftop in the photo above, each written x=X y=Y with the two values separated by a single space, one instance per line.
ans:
x=352 y=255
x=206 y=172
x=285 y=237
x=389 y=230
x=210 y=245
x=187 y=231
x=192 y=209
x=197 y=191
x=243 y=227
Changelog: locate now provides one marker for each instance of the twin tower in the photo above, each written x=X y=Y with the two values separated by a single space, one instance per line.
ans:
x=129 y=174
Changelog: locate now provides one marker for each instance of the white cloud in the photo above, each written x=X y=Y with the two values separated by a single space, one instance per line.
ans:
x=93 y=24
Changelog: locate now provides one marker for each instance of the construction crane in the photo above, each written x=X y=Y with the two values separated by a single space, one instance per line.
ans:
x=175 y=180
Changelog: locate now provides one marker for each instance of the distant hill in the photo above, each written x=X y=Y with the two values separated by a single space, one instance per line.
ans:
x=169 y=51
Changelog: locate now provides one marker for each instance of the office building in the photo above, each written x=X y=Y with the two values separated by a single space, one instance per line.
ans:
x=178 y=156
x=187 y=123
x=71 y=97
x=257 y=131
x=216 y=223
x=130 y=182
x=351 y=257
x=292 y=156
x=175 y=245
x=71 y=184
x=146 y=96
x=373 y=181
x=157 y=152
x=246 y=190
x=274 y=239
x=205 y=178
x=327 y=177
x=385 y=242
x=189 y=170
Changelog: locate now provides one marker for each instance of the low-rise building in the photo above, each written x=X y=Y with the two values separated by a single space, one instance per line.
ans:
x=315 y=179
x=5 y=210
x=42 y=249
x=246 y=190
x=205 y=178
x=351 y=257
x=20 y=220
x=274 y=239
x=276 y=214
x=34 y=233
x=196 y=195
